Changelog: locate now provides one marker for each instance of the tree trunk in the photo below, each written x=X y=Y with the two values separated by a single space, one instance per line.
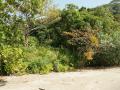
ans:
x=26 y=36
x=26 y=41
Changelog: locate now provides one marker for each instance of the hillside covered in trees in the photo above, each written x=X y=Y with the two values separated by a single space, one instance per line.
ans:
x=36 y=37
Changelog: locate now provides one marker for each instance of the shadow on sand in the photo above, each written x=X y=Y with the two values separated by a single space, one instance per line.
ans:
x=2 y=82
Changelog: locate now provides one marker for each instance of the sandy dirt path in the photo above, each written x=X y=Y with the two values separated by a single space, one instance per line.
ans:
x=101 y=79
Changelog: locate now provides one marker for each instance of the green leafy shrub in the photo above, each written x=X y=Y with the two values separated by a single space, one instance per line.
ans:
x=12 y=60
x=63 y=68
x=40 y=66
x=33 y=42
x=109 y=51
x=43 y=59
x=39 y=59
x=33 y=53
x=58 y=67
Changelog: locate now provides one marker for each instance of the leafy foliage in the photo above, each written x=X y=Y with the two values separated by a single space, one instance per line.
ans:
x=12 y=61
x=37 y=38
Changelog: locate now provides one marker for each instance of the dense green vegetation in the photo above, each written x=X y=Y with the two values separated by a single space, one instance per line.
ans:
x=38 y=38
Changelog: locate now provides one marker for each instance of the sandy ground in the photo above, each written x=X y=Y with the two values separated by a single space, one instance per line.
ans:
x=102 y=79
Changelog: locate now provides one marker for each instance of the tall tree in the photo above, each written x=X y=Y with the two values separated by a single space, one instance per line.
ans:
x=8 y=25
x=28 y=10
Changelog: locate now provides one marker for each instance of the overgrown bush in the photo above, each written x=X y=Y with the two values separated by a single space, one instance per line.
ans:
x=46 y=59
x=108 y=53
x=33 y=60
x=12 y=60
x=33 y=42
x=58 y=67
x=40 y=66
